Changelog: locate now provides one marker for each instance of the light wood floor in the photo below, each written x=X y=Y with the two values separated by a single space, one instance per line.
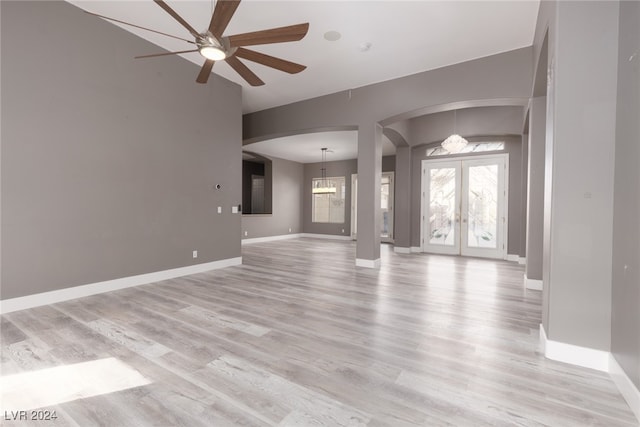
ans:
x=298 y=336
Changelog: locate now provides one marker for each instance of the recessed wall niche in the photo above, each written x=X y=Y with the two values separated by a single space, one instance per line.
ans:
x=256 y=184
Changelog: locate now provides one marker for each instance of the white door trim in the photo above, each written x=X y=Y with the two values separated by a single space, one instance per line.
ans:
x=391 y=209
x=354 y=205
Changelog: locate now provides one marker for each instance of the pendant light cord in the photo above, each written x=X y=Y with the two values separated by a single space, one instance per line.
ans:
x=455 y=121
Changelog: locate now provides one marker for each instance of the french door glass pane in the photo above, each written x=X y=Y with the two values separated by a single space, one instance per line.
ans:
x=384 y=195
x=384 y=204
x=384 y=232
x=442 y=206
x=483 y=206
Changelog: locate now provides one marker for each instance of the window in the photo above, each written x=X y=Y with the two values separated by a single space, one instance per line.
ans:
x=328 y=206
x=472 y=147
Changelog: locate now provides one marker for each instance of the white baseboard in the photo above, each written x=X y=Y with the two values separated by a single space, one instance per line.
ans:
x=368 y=263
x=532 y=284
x=52 y=297
x=401 y=250
x=627 y=388
x=513 y=257
x=594 y=359
x=416 y=249
x=326 y=236
x=522 y=260
x=543 y=338
x=270 y=238
x=573 y=354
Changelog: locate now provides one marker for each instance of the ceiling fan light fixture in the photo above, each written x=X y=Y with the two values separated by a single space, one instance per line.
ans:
x=213 y=53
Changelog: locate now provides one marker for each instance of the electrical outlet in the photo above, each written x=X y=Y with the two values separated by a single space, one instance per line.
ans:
x=289 y=230
x=246 y=233
x=234 y=209
x=219 y=209
x=195 y=254
x=343 y=231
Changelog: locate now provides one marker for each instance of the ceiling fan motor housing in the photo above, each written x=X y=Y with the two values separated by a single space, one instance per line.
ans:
x=208 y=40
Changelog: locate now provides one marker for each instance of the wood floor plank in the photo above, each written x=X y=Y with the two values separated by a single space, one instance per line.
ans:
x=298 y=336
x=301 y=402
x=10 y=333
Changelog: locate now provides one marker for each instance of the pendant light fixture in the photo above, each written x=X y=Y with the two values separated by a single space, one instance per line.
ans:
x=324 y=184
x=455 y=143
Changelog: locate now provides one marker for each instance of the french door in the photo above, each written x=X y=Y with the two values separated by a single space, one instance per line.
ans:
x=386 y=206
x=464 y=206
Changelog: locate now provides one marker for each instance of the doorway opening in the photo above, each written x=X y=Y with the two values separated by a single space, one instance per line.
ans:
x=386 y=206
x=464 y=206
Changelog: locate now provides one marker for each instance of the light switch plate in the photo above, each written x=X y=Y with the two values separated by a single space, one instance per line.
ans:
x=219 y=209
x=234 y=209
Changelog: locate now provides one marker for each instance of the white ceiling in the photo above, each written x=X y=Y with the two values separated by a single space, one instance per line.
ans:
x=406 y=37
x=306 y=148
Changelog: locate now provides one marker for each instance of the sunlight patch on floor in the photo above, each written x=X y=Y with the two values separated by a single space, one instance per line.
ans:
x=51 y=386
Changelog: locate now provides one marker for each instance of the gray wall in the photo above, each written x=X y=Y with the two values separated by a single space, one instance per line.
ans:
x=388 y=163
x=535 y=189
x=108 y=163
x=402 y=199
x=343 y=168
x=544 y=48
x=625 y=313
x=469 y=122
x=287 y=179
x=502 y=76
x=513 y=147
x=584 y=76
x=524 y=183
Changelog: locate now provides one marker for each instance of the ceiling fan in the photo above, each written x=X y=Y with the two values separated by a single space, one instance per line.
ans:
x=213 y=46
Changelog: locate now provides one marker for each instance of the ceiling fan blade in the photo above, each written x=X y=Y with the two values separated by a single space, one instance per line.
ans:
x=138 y=26
x=177 y=17
x=269 y=61
x=222 y=14
x=274 y=35
x=165 y=54
x=244 y=72
x=205 y=71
